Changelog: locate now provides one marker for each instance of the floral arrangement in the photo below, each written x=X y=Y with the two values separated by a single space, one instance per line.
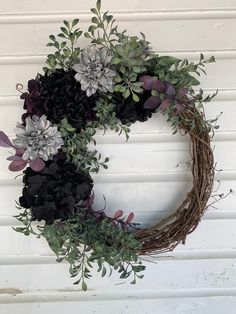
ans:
x=113 y=82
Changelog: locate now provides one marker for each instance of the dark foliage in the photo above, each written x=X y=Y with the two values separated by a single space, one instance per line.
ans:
x=53 y=192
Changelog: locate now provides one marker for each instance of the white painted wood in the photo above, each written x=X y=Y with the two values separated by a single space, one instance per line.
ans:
x=199 y=277
x=27 y=6
x=196 y=33
x=163 y=277
x=195 y=305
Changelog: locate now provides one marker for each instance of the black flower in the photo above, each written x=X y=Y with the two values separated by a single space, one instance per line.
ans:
x=62 y=97
x=53 y=192
x=129 y=111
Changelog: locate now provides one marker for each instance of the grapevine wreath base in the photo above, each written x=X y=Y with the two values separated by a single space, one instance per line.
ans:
x=167 y=234
x=115 y=82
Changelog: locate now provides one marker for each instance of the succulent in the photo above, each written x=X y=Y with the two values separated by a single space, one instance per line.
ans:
x=93 y=70
x=39 y=137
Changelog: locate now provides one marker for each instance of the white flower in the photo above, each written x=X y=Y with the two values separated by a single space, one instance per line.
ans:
x=93 y=71
x=39 y=137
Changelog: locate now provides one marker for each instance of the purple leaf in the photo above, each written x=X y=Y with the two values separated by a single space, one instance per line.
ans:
x=147 y=81
x=159 y=86
x=17 y=165
x=152 y=102
x=15 y=157
x=118 y=214
x=170 y=90
x=165 y=104
x=20 y=151
x=130 y=218
x=37 y=164
x=4 y=140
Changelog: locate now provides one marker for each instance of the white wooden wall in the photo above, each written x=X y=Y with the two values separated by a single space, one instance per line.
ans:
x=199 y=277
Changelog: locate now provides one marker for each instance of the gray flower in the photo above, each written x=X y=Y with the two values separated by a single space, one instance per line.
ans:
x=93 y=71
x=38 y=137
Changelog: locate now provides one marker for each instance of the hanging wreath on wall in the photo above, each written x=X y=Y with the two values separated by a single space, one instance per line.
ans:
x=114 y=82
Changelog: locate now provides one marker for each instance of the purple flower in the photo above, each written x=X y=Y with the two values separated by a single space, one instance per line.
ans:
x=33 y=104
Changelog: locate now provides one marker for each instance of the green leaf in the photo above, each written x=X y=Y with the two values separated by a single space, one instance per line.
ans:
x=87 y=35
x=104 y=271
x=118 y=79
x=56 y=44
x=92 y=28
x=126 y=94
x=98 y=5
x=66 y=23
x=122 y=88
x=117 y=88
x=19 y=229
x=122 y=69
x=94 y=11
x=52 y=37
x=72 y=37
x=115 y=60
x=84 y=286
x=75 y=22
x=95 y=20
x=62 y=35
x=64 y=30
x=135 y=97
x=136 y=69
x=212 y=59
x=78 y=34
x=109 y=18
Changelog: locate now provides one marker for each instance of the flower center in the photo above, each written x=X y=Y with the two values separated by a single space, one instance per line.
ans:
x=37 y=141
x=94 y=69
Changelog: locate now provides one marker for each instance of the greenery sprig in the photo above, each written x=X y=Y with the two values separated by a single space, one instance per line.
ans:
x=76 y=148
x=65 y=55
x=88 y=239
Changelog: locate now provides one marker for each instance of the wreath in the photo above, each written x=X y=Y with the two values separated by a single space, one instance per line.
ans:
x=114 y=82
